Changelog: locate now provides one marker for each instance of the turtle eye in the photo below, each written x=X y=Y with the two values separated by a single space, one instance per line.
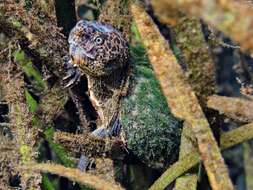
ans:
x=99 y=40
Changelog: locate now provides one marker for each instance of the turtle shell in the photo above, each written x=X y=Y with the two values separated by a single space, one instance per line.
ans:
x=152 y=133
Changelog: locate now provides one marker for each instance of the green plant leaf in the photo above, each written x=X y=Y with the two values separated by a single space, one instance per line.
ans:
x=58 y=149
x=46 y=183
x=33 y=105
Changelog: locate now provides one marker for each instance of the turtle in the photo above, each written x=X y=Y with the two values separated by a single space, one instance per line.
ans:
x=141 y=116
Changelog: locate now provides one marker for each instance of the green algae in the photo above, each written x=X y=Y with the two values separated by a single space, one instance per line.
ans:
x=152 y=133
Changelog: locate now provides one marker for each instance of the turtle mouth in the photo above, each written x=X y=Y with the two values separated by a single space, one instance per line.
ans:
x=89 y=55
x=77 y=51
x=78 y=60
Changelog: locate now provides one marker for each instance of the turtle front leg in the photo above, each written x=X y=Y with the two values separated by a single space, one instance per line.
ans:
x=116 y=128
x=101 y=132
x=73 y=74
x=113 y=131
x=83 y=163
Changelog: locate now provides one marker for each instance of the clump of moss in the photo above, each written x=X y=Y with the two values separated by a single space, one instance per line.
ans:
x=152 y=133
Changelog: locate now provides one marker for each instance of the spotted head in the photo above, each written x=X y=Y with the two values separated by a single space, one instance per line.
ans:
x=97 y=49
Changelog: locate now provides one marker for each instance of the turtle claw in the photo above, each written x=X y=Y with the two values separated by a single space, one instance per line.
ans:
x=73 y=80
x=83 y=163
x=67 y=77
x=116 y=128
x=100 y=132
x=73 y=75
x=114 y=131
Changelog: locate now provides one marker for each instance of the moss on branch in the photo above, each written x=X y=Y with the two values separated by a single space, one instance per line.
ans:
x=76 y=175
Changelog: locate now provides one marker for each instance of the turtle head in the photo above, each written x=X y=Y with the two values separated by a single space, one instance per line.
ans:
x=98 y=49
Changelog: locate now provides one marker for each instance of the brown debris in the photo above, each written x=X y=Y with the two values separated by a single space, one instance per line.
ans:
x=24 y=151
x=237 y=108
x=180 y=97
x=42 y=42
x=103 y=169
x=51 y=102
x=89 y=145
x=8 y=159
x=200 y=69
x=116 y=13
x=37 y=33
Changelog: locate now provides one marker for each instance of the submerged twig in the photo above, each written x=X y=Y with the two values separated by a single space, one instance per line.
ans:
x=248 y=164
x=188 y=145
x=74 y=175
x=236 y=108
x=89 y=145
x=227 y=140
x=236 y=136
x=175 y=170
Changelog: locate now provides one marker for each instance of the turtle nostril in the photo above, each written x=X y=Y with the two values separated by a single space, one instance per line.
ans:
x=79 y=33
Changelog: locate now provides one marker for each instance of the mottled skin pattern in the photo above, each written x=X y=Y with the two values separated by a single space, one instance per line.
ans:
x=98 y=49
x=101 y=52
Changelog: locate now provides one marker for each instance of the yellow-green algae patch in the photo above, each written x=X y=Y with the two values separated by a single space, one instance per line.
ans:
x=25 y=152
